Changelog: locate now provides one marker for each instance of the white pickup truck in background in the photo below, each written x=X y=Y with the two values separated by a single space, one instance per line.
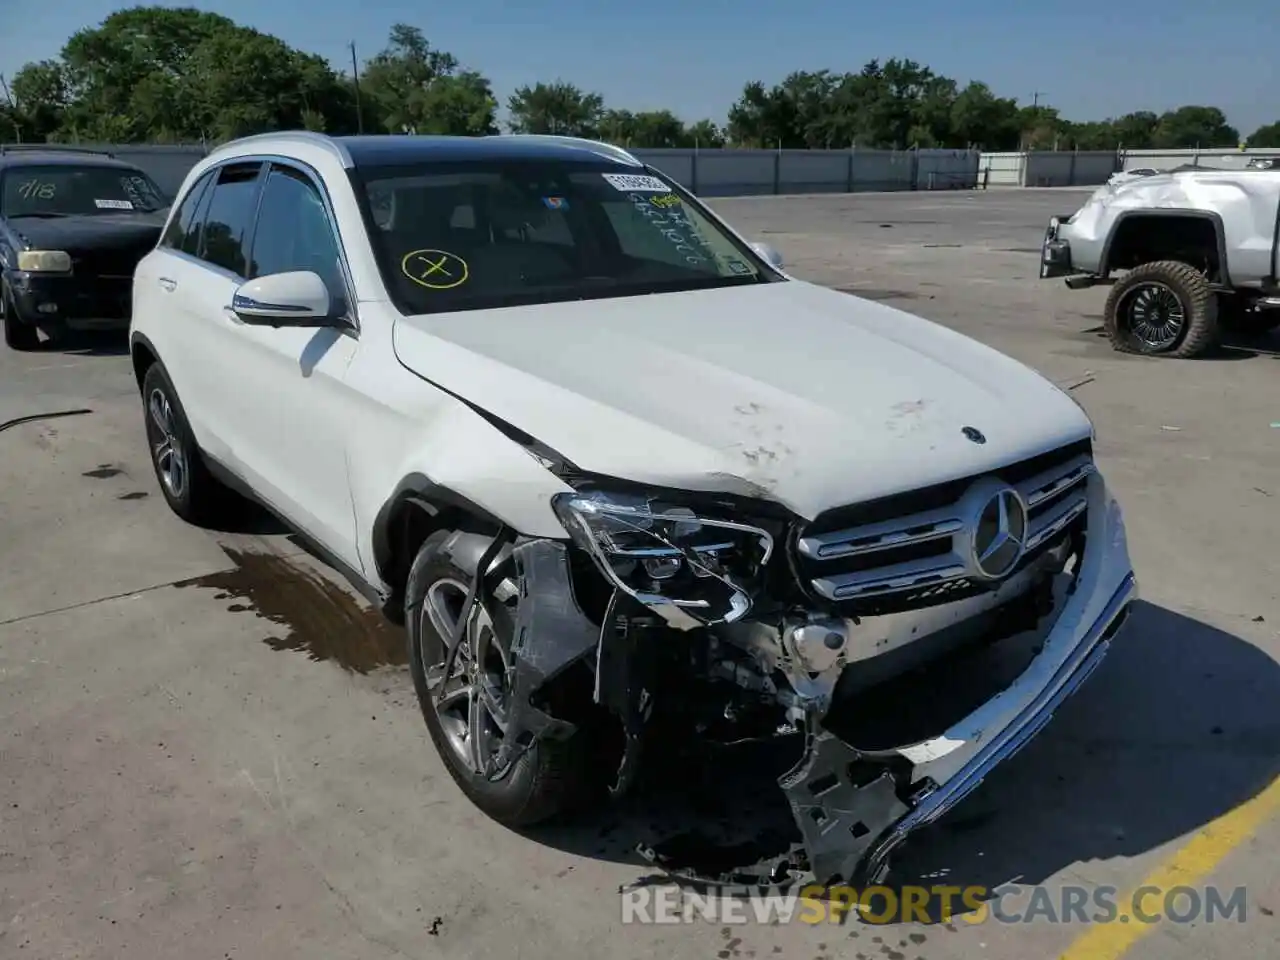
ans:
x=1196 y=250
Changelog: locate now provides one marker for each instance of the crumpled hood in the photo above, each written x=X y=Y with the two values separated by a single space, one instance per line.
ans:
x=789 y=391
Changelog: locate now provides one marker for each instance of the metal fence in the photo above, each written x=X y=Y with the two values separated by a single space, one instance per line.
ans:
x=1049 y=168
x=732 y=172
x=710 y=173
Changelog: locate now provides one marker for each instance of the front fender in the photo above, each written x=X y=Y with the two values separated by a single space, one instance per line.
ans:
x=453 y=459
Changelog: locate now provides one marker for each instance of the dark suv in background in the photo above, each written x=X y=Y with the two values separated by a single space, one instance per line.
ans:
x=73 y=226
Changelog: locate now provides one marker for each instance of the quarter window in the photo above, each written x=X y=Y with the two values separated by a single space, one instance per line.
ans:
x=294 y=231
x=182 y=230
x=226 y=226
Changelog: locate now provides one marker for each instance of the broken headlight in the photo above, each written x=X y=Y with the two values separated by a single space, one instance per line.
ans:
x=665 y=555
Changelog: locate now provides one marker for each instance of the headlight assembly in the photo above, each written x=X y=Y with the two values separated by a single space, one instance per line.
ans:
x=44 y=261
x=667 y=556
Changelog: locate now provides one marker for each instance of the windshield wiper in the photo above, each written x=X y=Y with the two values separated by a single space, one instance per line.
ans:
x=43 y=215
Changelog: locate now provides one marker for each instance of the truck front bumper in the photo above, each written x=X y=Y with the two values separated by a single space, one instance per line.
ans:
x=1055 y=253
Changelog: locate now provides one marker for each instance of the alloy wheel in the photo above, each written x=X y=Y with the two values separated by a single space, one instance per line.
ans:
x=472 y=703
x=1155 y=315
x=166 y=448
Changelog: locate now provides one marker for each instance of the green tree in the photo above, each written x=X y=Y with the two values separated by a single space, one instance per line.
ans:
x=1266 y=136
x=557 y=108
x=40 y=98
x=706 y=135
x=764 y=118
x=981 y=118
x=1194 y=126
x=1136 y=131
x=162 y=74
x=414 y=88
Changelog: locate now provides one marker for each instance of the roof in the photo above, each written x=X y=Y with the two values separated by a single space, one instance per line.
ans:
x=53 y=157
x=397 y=149
x=378 y=150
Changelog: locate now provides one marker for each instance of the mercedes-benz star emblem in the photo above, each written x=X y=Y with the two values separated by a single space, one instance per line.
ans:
x=999 y=534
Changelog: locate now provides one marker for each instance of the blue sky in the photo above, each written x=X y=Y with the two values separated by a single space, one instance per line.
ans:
x=1089 y=58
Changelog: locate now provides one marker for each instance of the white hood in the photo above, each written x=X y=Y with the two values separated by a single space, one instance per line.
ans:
x=790 y=391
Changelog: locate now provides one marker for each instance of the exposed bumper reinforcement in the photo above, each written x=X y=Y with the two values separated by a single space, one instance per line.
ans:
x=1083 y=661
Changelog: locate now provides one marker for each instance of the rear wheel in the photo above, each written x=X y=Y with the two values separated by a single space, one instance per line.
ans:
x=1163 y=308
x=467 y=712
x=191 y=491
x=17 y=335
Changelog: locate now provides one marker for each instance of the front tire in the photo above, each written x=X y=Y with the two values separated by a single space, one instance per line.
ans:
x=466 y=719
x=191 y=491
x=19 y=336
x=1165 y=308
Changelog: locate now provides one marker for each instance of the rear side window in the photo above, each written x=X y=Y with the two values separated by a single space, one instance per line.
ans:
x=181 y=234
x=294 y=232
x=225 y=232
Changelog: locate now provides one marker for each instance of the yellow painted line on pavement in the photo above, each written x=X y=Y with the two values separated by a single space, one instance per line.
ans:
x=1191 y=863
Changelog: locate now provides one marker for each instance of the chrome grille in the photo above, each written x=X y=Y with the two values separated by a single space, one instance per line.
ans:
x=915 y=548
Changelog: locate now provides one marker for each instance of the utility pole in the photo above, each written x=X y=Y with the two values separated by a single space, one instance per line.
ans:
x=9 y=96
x=355 y=79
x=1035 y=99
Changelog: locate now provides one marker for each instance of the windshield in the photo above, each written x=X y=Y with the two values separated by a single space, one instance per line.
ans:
x=74 y=190
x=476 y=235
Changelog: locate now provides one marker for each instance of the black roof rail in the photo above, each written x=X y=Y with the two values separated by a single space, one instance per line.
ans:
x=51 y=148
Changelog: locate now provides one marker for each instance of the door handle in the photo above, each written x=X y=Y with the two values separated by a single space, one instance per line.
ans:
x=167 y=284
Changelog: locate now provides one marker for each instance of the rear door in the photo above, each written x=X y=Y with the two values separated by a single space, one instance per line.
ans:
x=164 y=309
x=213 y=264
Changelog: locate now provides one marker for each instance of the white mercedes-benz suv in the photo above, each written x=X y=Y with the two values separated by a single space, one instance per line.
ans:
x=621 y=475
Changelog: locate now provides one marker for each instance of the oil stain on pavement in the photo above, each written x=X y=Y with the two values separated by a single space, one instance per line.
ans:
x=318 y=617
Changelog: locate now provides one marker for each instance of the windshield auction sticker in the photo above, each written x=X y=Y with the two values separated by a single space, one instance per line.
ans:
x=435 y=269
x=113 y=204
x=626 y=182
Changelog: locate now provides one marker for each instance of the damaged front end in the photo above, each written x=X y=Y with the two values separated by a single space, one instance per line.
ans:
x=911 y=643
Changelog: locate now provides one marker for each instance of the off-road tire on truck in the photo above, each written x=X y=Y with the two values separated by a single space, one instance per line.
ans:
x=17 y=335
x=1165 y=290
x=550 y=777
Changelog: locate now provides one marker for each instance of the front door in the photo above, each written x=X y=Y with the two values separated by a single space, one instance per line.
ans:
x=289 y=401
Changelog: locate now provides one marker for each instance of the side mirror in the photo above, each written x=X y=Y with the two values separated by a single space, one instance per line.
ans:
x=770 y=255
x=296 y=299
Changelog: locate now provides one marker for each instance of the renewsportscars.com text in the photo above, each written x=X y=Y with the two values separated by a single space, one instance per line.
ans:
x=1009 y=904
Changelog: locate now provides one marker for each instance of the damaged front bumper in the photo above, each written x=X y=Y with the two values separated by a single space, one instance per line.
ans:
x=850 y=830
x=853 y=806
x=936 y=801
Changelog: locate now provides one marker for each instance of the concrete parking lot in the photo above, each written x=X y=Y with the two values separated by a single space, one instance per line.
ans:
x=209 y=748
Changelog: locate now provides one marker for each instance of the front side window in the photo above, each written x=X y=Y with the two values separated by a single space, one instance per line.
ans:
x=293 y=231
x=75 y=190
x=225 y=230
x=464 y=236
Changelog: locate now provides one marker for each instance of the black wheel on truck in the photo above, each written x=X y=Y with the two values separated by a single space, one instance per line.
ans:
x=17 y=335
x=466 y=712
x=1164 y=308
